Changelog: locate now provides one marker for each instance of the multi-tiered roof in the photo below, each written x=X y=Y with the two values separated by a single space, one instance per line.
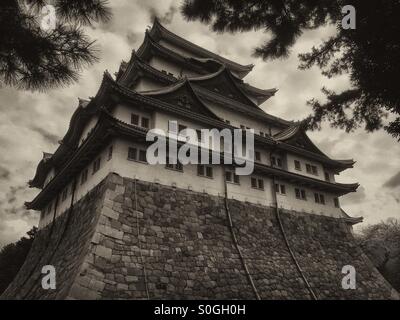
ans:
x=217 y=80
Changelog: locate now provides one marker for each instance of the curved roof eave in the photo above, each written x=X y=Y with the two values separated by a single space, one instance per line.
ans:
x=159 y=31
x=298 y=129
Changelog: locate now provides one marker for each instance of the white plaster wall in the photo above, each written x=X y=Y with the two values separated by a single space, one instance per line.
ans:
x=159 y=174
x=303 y=161
x=81 y=189
x=188 y=179
x=290 y=202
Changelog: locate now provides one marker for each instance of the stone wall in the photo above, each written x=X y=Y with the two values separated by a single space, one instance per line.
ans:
x=178 y=245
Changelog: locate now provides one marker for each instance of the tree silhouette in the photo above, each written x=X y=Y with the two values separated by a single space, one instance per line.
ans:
x=37 y=58
x=368 y=54
x=381 y=243
x=12 y=256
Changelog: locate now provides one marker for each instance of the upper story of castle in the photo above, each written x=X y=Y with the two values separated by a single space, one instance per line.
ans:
x=170 y=78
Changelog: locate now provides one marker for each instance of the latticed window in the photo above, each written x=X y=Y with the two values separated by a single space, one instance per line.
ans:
x=142 y=156
x=257 y=183
x=145 y=122
x=232 y=177
x=300 y=194
x=297 y=165
x=135 y=119
x=132 y=153
x=280 y=188
x=204 y=171
x=174 y=166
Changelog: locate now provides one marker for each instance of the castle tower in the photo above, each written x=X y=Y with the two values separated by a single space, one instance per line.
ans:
x=115 y=226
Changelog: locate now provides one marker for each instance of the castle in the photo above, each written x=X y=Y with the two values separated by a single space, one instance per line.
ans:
x=115 y=226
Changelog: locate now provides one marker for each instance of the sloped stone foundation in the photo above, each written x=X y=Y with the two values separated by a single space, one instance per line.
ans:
x=138 y=240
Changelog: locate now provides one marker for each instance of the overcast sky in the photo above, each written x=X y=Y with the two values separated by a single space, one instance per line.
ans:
x=34 y=122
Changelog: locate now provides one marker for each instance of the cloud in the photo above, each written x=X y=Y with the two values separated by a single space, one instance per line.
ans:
x=4 y=173
x=393 y=182
x=355 y=197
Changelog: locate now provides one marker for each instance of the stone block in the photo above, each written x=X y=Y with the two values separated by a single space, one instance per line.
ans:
x=110 y=213
x=103 y=252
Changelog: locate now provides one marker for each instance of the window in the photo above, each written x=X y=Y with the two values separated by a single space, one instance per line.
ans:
x=174 y=166
x=145 y=122
x=336 y=202
x=257 y=183
x=138 y=120
x=277 y=161
x=258 y=156
x=132 y=154
x=280 y=188
x=311 y=169
x=84 y=176
x=134 y=119
x=297 y=165
x=96 y=165
x=300 y=194
x=327 y=178
x=232 y=177
x=319 y=198
x=110 y=152
x=142 y=156
x=136 y=154
x=205 y=171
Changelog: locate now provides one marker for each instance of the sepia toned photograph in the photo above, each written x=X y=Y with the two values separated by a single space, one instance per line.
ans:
x=199 y=150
